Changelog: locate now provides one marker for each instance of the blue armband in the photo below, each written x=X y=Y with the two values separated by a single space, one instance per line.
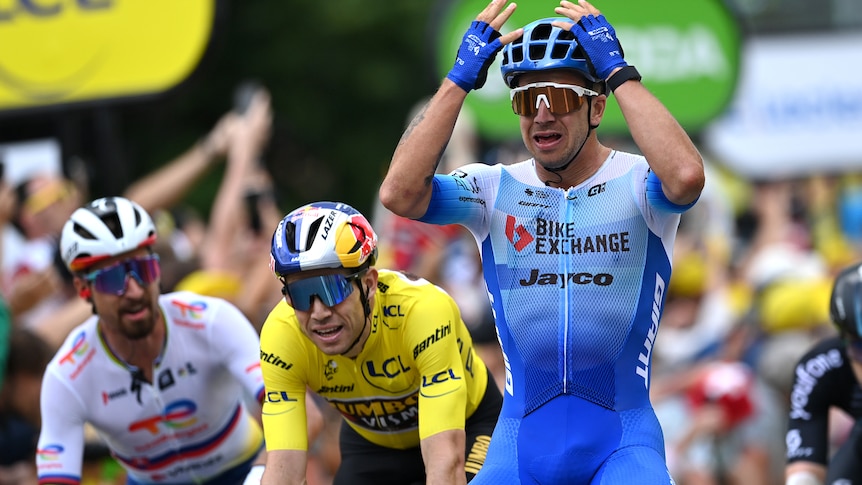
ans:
x=655 y=196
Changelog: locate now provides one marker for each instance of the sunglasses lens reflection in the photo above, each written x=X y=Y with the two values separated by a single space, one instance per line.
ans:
x=558 y=100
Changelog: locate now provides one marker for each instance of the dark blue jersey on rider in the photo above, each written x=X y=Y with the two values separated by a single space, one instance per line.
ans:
x=577 y=280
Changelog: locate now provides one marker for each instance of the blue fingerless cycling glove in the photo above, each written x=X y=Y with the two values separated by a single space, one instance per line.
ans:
x=599 y=41
x=478 y=48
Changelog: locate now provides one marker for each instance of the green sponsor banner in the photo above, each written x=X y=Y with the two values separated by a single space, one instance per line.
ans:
x=688 y=52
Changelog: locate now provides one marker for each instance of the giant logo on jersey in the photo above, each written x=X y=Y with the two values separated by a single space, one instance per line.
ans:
x=644 y=358
x=382 y=414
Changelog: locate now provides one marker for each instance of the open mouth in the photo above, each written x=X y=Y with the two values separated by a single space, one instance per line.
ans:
x=547 y=139
x=135 y=312
x=328 y=333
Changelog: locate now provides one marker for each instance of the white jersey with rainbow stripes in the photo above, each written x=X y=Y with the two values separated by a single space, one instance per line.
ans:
x=190 y=424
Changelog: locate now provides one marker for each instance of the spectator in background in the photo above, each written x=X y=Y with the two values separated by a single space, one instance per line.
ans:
x=23 y=358
x=233 y=264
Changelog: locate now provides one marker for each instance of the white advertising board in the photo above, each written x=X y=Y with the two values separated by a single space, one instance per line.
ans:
x=797 y=109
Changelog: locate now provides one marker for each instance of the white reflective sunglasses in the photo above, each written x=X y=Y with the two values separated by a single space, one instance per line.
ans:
x=558 y=98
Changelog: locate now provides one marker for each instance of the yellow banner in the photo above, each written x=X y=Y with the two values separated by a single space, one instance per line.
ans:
x=68 y=51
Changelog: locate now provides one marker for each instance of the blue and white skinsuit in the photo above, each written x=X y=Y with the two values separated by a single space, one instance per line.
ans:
x=577 y=282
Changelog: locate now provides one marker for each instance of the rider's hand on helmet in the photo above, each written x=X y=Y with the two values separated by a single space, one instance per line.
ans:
x=480 y=46
x=595 y=35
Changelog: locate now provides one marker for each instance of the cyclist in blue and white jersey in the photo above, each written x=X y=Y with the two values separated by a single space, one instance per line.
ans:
x=576 y=242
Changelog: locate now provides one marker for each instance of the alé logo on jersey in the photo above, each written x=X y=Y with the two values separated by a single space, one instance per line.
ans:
x=176 y=415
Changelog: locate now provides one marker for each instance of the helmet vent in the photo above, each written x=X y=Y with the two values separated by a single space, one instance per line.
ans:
x=290 y=235
x=84 y=233
x=537 y=51
x=541 y=32
x=561 y=49
x=138 y=217
x=312 y=232
x=112 y=221
x=544 y=46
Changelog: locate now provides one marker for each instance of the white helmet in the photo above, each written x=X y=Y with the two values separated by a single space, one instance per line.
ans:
x=102 y=229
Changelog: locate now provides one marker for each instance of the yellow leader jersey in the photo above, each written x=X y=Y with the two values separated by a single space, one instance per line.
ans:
x=418 y=356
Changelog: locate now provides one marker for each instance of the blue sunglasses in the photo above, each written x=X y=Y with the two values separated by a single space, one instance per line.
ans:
x=113 y=279
x=331 y=289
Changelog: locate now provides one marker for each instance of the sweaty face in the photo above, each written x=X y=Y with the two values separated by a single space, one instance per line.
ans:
x=333 y=328
x=134 y=313
x=554 y=139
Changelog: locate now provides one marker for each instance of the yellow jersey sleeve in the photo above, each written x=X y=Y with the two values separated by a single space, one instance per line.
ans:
x=283 y=412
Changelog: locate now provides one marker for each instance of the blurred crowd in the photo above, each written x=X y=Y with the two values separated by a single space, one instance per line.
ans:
x=753 y=269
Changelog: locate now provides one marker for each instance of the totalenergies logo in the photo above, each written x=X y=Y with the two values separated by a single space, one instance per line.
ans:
x=193 y=309
x=177 y=415
x=78 y=350
x=50 y=452
x=517 y=234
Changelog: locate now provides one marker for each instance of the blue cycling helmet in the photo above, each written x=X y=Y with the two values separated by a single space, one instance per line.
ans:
x=544 y=47
x=322 y=235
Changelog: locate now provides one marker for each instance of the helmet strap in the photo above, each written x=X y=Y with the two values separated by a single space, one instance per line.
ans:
x=366 y=310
